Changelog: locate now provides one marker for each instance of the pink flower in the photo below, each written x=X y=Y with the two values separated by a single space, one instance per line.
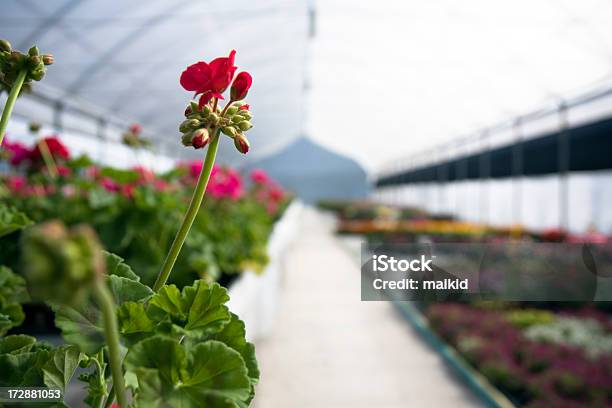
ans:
x=224 y=183
x=161 y=185
x=93 y=172
x=146 y=175
x=128 y=191
x=110 y=185
x=258 y=176
x=16 y=183
x=64 y=171
x=18 y=152
x=69 y=190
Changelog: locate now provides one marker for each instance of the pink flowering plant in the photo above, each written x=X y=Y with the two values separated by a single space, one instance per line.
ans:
x=138 y=345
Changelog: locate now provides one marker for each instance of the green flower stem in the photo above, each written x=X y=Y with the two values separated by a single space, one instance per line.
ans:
x=192 y=211
x=10 y=102
x=111 y=332
x=48 y=158
x=99 y=361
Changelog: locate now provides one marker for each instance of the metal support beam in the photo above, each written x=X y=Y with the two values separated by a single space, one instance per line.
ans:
x=517 y=171
x=563 y=163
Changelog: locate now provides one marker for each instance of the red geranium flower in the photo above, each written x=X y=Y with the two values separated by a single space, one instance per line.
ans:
x=57 y=149
x=18 y=152
x=209 y=80
x=135 y=128
x=241 y=86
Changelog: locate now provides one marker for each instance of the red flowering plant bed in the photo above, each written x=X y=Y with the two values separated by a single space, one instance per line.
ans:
x=536 y=358
x=128 y=208
x=140 y=342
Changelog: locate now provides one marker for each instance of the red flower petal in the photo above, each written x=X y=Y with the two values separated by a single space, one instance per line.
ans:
x=196 y=77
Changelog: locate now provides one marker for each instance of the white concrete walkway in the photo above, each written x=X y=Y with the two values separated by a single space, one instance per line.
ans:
x=331 y=350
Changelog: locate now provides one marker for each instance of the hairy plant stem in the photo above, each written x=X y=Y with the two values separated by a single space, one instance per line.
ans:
x=99 y=362
x=192 y=211
x=10 y=102
x=111 y=332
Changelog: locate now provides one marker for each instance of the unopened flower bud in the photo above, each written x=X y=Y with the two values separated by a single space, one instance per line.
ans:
x=229 y=130
x=5 y=46
x=214 y=118
x=241 y=143
x=231 y=110
x=34 y=127
x=200 y=138
x=188 y=111
x=245 y=125
x=48 y=59
x=246 y=114
x=241 y=86
x=34 y=61
x=33 y=51
x=206 y=110
x=186 y=139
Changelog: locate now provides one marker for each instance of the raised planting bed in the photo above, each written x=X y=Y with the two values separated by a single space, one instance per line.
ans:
x=535 y=357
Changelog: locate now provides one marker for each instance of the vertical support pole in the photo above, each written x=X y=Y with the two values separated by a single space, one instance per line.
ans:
x=101 y=136
x=563 y=163
x=517 y=172
x=58 y=110
x=484 y=171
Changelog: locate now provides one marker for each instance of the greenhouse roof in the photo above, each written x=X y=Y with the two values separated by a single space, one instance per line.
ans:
x=373 y=80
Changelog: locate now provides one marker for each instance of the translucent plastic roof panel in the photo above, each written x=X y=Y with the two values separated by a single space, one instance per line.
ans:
x=391 y=78
x=379 y=79
x=125 y=57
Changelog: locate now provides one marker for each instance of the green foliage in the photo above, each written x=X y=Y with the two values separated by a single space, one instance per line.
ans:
x=524 y=318
x=12 y=294
x=12 y=220
x=81 y=324
x=24 y=362
x=207 y=357
x=228 y=236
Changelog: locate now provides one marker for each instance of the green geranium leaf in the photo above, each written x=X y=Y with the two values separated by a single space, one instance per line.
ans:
x=120 y=176
x=200 y=309
x=24 y=369
x=16 y=344
x=80 y=162
x=58 y=371
x=100 y=198
x=12 y=220
x=128 y=290
x=168 y=300
x=116 y=266
x=170 y=374
x=12 y=293
x=81 y=327
x=207 y=310
x=133 y=318
x=12 y=287
x=233 y=335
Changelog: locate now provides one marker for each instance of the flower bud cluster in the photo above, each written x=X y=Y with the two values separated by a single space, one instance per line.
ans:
x=12 y=62
x=200 y=121
x=132 y=137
